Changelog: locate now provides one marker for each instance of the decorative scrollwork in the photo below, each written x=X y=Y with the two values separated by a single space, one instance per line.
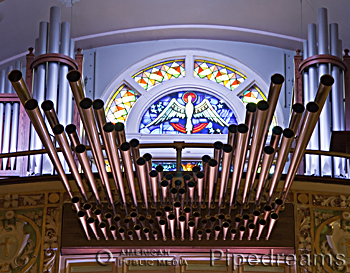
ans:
x=304 y=236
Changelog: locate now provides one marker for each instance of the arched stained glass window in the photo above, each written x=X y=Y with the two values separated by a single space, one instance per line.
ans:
x=187 y=112
x=120 y=104
x=155 y=74
x=224 y=75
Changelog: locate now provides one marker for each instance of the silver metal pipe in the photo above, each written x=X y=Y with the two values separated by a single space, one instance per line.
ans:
x=245 y=219
x=87 y=208
x=256 y=215
x=312 y=167
x=325 y=116
x=187 y=211
x=64 y=93
x=53 y=47
x=117 y=220
x=196 y=218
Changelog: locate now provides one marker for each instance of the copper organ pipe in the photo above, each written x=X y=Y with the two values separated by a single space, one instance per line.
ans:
x=241 y=232
x=173 y=193
x=109 y=137
x=256 y=215
x=297 y=113
x=91 y=222
x=196 y=218
x=151 y=223
x=208 y=232
x=233 y=233
x=213 y=221
x=164 y=184
x=309 y=122
x=237 y=221
x=225 y=227
x=191 y=227
x=160 y=169
x=16 y=79
x=61 y=138
x=162 y=223
x=177 y=206
x=182 y=197
x=191 y=187
x=120 y=129
x=146 y=232
x=94 y=140
x=269 y=153
x=199 y=234
x=137 y=229
x=225 y=171
x=127 y=222
x=221 y=217
x=245 y=219
x=232 y=129
x=182 y=221
x=204 y=223
x=133 y=216
x=262 y=224
x=140 y=166
x=148 y=158
x=154 y=182
x=278 y=205
x=102 y=226
x=50 y=113
x=273 y=219
x=212 y=166
x=205 y=160
x=257 y=140
x=142 y=220
x=167 y=210
x=251 y=228
x=200 y=184
x=87 y=208
x=126 y=158
x=238 y=161
x=32 y=109
x=275 y=137
x=84 y=161
x=71 y=131
x=286 y=144
x=158 y=215
x=217 y=156
x=98 y=214
x=187 y=211
x=267 y=210
x=130 y=234
x=155 y=234
x=171 y=218
x=117 y=220
x=81 y=216
x=122 y=233
x=76 y=203
x=113 y=230
x=217 y=230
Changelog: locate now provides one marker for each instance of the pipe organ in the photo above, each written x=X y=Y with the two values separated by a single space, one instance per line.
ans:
x=152 y=204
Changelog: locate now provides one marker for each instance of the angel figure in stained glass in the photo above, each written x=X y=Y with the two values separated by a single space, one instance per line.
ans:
x=189 y=111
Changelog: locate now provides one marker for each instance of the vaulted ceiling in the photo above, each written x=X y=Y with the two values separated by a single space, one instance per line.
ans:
x=280 y=23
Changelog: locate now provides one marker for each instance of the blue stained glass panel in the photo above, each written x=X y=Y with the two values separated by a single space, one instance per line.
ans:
x=175 y=113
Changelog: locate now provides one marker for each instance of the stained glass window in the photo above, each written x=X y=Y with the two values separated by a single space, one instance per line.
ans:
x=219 y=73
x=187 y=112
x=155 y=74
x=121 y=103
x=170 y=166
x=252 y=94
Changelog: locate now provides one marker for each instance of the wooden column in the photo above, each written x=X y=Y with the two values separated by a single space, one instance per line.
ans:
x=298 y=83
x=346 y=59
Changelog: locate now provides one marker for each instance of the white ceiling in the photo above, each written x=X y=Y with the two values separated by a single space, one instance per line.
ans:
x=281 y=23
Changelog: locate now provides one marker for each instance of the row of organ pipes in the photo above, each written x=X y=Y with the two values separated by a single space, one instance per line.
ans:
x=153 y=204
x=323 y=38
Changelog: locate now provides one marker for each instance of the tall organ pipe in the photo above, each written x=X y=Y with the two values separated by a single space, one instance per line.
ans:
x=286 y=144
x=225 y=171
x=276 y=136
x=309 y=123
x=297 y=113
x=325 y=116
x=64 y=94
x=337 y=94
x=312 y=167
x=140 y=166
x=91 y=129
x=7 y=123
x=2 y=90
x=200 y=182
x=108 y=137
x=126 y=158
x=53 y=47
x=211 y=180
x=50 y=113
x=39 y=95
x=238 y=161
x=274 y=92
x=58 y=130
x=257 y=141
x=113 y=157
x=232 y=129
x=35 y=116
x=70 y=98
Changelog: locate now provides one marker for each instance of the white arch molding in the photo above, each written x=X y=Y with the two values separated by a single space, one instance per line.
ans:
x=189 y=82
